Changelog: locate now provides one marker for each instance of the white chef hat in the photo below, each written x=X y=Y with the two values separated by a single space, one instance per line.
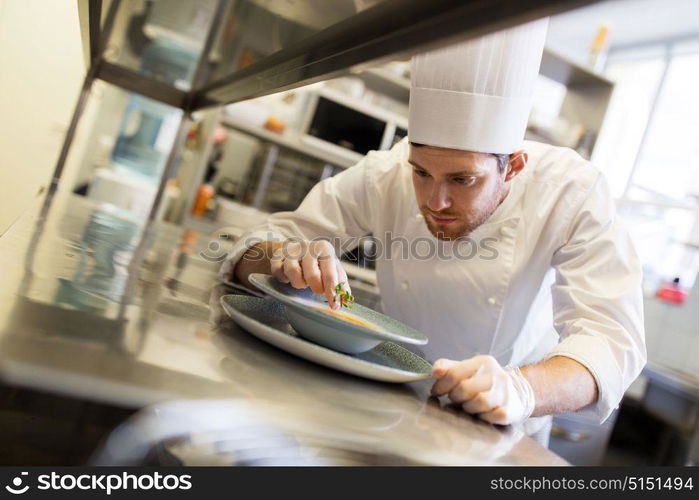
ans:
x=476 y=95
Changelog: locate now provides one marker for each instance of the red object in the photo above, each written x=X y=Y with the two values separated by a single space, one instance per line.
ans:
x=672 y=292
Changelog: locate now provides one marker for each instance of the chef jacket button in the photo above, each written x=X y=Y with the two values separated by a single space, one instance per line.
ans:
x=491 y=301
x=505 y=231
x=404 y=285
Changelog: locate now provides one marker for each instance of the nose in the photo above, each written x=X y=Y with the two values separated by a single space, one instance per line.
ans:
x=439 y=198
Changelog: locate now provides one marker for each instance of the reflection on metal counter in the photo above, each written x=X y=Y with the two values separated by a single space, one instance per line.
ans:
x=203 y=432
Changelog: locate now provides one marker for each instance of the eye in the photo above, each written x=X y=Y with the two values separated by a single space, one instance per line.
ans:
x=420 y=173
x=464 y=181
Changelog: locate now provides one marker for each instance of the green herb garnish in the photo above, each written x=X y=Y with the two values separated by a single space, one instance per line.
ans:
x=342 y=296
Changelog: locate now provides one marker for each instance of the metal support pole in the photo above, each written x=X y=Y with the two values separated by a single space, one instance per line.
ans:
x=214 y=29
x=99 y=45
x=266 y=175
x=95 y=16
x=171 y=162
x=186 y=120
x=70 y=134
x=208 y=127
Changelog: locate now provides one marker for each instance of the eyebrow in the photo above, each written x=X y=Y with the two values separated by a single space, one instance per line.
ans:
x=451 y=174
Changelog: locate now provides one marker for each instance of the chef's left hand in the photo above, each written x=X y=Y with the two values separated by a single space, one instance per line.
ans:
x=483 y=387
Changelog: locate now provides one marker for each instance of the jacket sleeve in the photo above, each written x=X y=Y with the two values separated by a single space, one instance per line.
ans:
x=337 y=208
x=597 y=299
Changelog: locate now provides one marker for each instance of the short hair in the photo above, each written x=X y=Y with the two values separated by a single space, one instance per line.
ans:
x=502 y=159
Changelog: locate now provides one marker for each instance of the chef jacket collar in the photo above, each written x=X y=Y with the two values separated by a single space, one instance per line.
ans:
x=508 y=207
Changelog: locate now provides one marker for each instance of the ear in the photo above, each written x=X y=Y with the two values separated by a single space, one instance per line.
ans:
x=518 y=160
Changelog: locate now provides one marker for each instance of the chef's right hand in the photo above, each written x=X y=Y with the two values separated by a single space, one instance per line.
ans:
x=311 y=264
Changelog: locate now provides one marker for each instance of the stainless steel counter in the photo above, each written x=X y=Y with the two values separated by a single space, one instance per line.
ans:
x=101 y=308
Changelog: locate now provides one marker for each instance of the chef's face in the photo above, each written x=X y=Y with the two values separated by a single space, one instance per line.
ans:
x=458 y=190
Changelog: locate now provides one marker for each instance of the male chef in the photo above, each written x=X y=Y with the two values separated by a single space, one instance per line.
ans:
x=522 y=277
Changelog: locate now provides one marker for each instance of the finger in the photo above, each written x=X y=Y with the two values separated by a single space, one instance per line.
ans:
x=328 y=271
x=498 y=415
x=469 y=388
x=480 y=403
x=342 y=277
x=295 y=250
x=292 y=270
x=441 y=367
x=439 y=370
x=455 y=374
x=311 y=273
x=276 y=266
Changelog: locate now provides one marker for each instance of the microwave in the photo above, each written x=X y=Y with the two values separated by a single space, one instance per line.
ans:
x=349 y=128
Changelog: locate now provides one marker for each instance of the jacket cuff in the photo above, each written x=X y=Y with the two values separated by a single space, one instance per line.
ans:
x=242 y=245
x=594 y=354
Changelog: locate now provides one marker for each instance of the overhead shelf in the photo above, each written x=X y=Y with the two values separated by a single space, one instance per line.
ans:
x=391 y=29
x=569 y=73
x=385 y=82
x=553 y=66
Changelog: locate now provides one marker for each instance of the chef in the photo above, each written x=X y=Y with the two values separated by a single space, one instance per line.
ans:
x=507 y=254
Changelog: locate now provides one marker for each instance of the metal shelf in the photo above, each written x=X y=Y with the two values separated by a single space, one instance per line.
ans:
x=291 y=140
x=384 y=82
x=569 y=73
x=553 y=66
x=391 y=29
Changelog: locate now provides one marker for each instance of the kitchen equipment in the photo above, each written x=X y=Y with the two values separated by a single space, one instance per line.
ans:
x=349 y=127
x=265 y=319
x=351 y=331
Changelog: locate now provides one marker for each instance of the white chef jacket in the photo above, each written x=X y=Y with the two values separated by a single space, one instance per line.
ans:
x=552 y=272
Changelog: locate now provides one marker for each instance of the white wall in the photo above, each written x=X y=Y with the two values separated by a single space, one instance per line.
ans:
x=41 y=71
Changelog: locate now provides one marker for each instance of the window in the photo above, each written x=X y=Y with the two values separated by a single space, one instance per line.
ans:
x=649 y=149
x=668 y=161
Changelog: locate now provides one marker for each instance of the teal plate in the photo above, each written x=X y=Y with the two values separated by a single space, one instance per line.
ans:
x=311 y=316
x=265 y=319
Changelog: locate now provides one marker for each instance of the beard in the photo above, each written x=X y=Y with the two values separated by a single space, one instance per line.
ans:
x=464 y=224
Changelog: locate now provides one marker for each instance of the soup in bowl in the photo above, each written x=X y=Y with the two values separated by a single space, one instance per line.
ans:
x=346 y=330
